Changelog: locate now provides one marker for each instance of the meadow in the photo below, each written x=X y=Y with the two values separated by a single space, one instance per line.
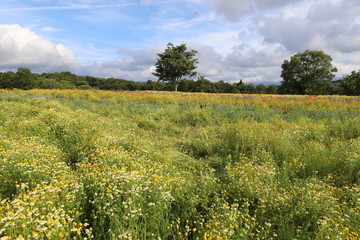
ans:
x=80 y=164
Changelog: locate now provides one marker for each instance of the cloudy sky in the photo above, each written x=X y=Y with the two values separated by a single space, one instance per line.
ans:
x=235 y=39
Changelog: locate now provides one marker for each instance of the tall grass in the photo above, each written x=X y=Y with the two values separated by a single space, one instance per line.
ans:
x=149 y=165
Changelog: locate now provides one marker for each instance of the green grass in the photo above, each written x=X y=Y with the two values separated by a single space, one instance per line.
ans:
x=149 y=165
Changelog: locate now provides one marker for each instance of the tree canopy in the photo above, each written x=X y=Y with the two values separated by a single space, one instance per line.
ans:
x=175 y=63
x=350 y=85
x=308 y=72
x=25 y=79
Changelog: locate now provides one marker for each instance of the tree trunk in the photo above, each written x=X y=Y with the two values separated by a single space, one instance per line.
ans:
x=176 y=83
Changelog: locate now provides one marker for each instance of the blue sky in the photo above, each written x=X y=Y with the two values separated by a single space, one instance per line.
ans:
x=235 y=39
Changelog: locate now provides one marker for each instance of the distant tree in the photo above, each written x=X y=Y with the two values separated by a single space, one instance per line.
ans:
x=25 y=79
x=114 y=84
x=64 y=79
x=154 y=85
x=260 y=88
x=350 y=84
x=326 y=88
x=91 y=81
x=204 y=85
x=134 y=86
x=249 y=88
x=306 y=72
x=187 y=85
x=175 y=63
x=223 y=87
x=239 y=87
x=50 y=83
x=65 y=76
x=7 y=80
x=272 y=89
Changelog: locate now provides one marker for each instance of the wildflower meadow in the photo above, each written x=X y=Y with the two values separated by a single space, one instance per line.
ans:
x=81 y=164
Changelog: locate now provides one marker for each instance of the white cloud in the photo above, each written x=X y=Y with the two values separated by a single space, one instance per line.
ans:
x=264 y=55
x=210 y=61
x=249 y=42
x=257 y=62
x=330 y=26
x=70 y=5
x=187 y=23
x=117 y=69
x=347 y=63
x=327 y=26
x=223 y=41
x=235 y=9
x=20 y=47
x=253 y=63
x=49 y=29
x=139 y=59
x=136 y=65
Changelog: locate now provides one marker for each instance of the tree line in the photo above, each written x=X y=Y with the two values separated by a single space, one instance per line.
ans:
x=308 y=72
x=23 y=78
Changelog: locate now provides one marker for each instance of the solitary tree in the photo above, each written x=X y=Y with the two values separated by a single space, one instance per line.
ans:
x=174 y=63
x=307 y=72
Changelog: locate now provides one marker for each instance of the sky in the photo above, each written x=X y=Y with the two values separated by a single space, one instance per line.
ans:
x=235 y=39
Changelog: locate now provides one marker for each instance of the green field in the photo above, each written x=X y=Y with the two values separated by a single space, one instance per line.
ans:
x=158 y=165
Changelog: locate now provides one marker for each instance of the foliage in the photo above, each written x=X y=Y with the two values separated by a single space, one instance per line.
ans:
x=307 y=72
x=350 y=85
x=25 y=79
x=175 y=63
x=204 y=85
x=134 y=165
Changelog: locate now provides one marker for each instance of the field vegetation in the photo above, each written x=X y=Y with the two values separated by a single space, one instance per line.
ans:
x=81 y=164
